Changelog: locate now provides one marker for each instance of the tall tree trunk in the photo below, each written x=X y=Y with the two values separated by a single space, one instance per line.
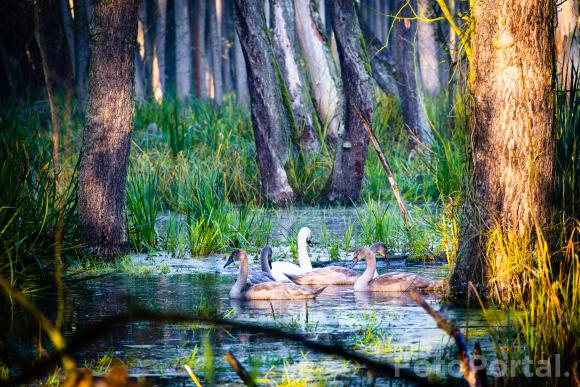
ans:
x=286 y=51
x=513 y=133
x=201 y=66
x=242 y=91
x=567 y=49
x=428 y=60
x=158 y=71
x=414 y=117
x=109 y=119
x=182 y=50
x=322 y=72
x=349 y=164
x=140 y=52
x=215 y=17
x=228 y=39
x=82 y=50
x=270 y=118
x=69 y=33
x=41 y=28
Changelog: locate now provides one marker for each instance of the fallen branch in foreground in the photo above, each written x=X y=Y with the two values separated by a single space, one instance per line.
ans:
x=240 y=370
x=467 y=365
x=89 y=334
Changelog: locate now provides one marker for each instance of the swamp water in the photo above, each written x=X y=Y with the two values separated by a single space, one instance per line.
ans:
x=390 y=327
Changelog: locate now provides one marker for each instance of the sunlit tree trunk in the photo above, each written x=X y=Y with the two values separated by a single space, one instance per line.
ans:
x=242 y=91
x=322 y=73
x=158 y=70
x=428 y=60
x=202 y=90
x=287 y=55
x=414 y=117
x=567 y=49
x=270 y=118
x=109 y=119
x=215 y=28
x=349 y=164
x=69 y=33
x=182 y=49
x=82 y=50
x=513 y=134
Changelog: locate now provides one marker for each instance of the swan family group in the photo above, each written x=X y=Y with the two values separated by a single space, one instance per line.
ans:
x=288 y=281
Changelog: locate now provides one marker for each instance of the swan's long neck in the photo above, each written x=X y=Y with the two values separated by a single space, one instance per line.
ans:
x=362 y=282
x=240 y=284
x=265 y=263
x=303 y=258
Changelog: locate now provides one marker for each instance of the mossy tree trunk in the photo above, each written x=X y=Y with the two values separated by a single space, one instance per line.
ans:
x=270 y=117
x=287 y=55
x=109 y=119
x=513 y=135
x=349 y=164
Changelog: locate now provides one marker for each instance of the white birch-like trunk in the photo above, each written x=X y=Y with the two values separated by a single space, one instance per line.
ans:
x=325 y=84
x=182 y=50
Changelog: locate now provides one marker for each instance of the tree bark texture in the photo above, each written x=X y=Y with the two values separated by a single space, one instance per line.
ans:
x=349 y=164
x=428 y=60
x=270 y=118
x=414 y=117
x=227 y=40
x=242 y=91
x=325 y=85
x=201 y=66
x=513 y=130
x=215 y=28
x=287 y=56
x=158 y=70
x=182 y=50
x=109 y=119
x=82 y=49
x=140 y=54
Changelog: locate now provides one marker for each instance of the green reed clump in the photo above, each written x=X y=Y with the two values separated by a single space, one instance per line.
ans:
x=143 y=202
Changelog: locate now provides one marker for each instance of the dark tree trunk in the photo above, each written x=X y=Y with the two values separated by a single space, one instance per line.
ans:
x=228 y=42
x=382 y=63
x=287 y=55
x=82 y=50
x=41 y=30
x=270 y=118
x=513 y=136
x=68 y=26
x=414 y=117
x=109 y=119
x=182 y=49
x=351 y=154
x=215 y=27
x=140 y=54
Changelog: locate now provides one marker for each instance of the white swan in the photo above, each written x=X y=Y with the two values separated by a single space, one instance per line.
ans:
x=280 y=268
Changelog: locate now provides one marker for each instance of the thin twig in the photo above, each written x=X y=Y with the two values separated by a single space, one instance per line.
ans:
x=390 y=175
